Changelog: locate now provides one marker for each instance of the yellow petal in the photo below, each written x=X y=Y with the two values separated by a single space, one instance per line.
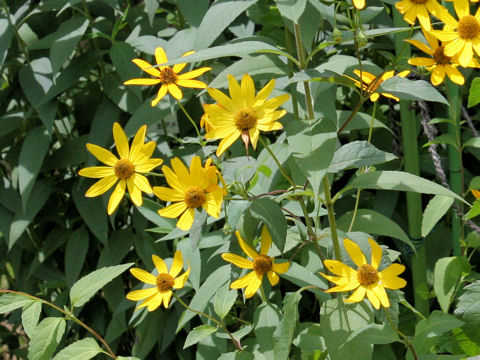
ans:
x=102 y=154
x=175 y=91
x=196 y=84
x=237 y=260
x=462 y=8
x=246 y=249
x=148 y=165
x=338 y=268
x=438 y=75
x=475 y=193
x=253 y=285
x=403 y=6
x=466 y=54
x=138 y=295
x=280 y=268
x=172 y=179
x=423 y=17
x=166 y=298
x=186 y=220
x=266 y=241
x=142 y=81
x=101 y=186
x=445 y=36
x=270 y=127
x=372 y=297
x=221 y=99
x=159 y=264
x=173 y=211
x=355 y=252
x=167 y=194
x=143 y=276
x=196 y=170
x=421 y=61
x=161 y=93
x=116 y=197
x=273 y=278
x=141 y=182
x=160 y=57
x=135 y=193
x=155 y=302
x=235 y=92
x=411 y=15
x=357 y=295
x=145 y=66
x=374 y=97
x=365 y=76
x=177 y=264
x=138 y=142
x=227 y=142
x=243 y=281
x=213 y=202
x=144 y=153
x=194 y=73
x=376 y=253
x=275 y=102
x=179 y=282
x=264 y=93
x=96 y=172
x=359 y=4
x=454 y=74
x=248 y=90
x=121 y=141
x=381 y=294
x=389 y=277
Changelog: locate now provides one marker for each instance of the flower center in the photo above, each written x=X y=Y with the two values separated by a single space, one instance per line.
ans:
x=440 y=56
x=164 y=282
x=468 y=27
x=245 y=119
x=367 y=275
x=195 y=197
x=167 y=76
x=262 y=264
x=124 y=168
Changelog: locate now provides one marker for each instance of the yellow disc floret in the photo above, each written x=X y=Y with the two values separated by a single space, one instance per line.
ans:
x=164 y=282
x=367 y=275
x=124 y=168
x=245 y=119
x=167 y=76
x=262 y=264
x=195 y=197
x=468 y=27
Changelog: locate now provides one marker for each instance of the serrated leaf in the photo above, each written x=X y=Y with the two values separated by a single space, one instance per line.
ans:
x=30 y=316
x=10 y=302
x=468 y=306
x=45 y=338
x=474 y=94
x=437 y=207
x=284 y=334
x=291 y=9
x=224 y=300
x=407 y=89
x=84 y=349
x=445 y=279
x=84 y=289
x=198 y=334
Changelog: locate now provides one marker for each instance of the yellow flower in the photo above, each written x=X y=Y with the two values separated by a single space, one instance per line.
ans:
x=476 y=193
x=366 y=280
x=168 y=77
x=463 y=36
x=420 y=9
x=164 y=283
x=243 y=114
x=261 y=264
x=204 y=122
x=133 y=162
x=359 y=4
x=370 y=82
x=439 y=64
x=190 y=189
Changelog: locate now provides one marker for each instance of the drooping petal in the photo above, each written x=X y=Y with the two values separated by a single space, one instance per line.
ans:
x=243 y=281
x=445 y=36
x=161 y=93
x=102 y=154
x=96 y=172
x=372 y=297
x=376 y=253
x=186 y=220
x=138 y=295
x=355 y=252
x=227 y=142
x=453 y=47
x=175 y=91
x=167 y=295
x=365 y=76
x=466 y=54
x=273 y=278
x=438 y=75
x=357 y=295
x=159 y=264
x=167 y=194
x=213 y=203
x=454 y=74
x=134 y=191
x=155 y=302
x=116 y=197
x=101 y=186
x=374 y=97
x=173 y=211
x=145 y=66
x=266 y=241
x=280 y=268
x=246 y=249
x=359 y=4
x=423 y=17
x=179 y=282
x=237 y=260
x=253 y=285
x=421 y=46
x=177 y=264
x=403 y=6
x=381 y=294
x=411 y=15
x=143 y=276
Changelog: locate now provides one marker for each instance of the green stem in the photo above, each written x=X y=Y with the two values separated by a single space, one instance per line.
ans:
x=331 y=218
x=414 y=202
x=352 y=114
x=235 y=342
x=280 y=166
x=191 y=120
x=301 y=59
x=21 y=43
x=263 y=295
x=69 y=316
x=402 y=335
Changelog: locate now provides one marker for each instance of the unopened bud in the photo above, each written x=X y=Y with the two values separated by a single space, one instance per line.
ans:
x=336 y=35
x=362 y=39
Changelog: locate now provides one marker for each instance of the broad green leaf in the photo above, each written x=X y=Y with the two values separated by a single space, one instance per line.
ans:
x=266 y=319
x=301 y=277
x=6 y=34
x=45 y=338
x=474 y=95
x=220 y=14
x=375 y=334
x=468 y=346
x=10 y=302
x=468 y=308
x=270 y=213
x=125 y=97
x=122 y=55
x=84 y=349
x=34 y=149
x=445 y=280
x=291 y=9
x=372 y=222
x=312 y=144
x=85 y=288
x=436 y=324
x=474 y=210
x=193 y=11
x=359 y=121
x=357 y=154
x=437 y=207
x=399 y=181
x=147 y=333
x=237 y=335
x=127 y=358
x=149 y=210
x=30 y=316
x=75 y=253
x=224 y=300
x=285 y=332
x=473 y=142
x=198 y=334
x=443 y=139
x=407 y=89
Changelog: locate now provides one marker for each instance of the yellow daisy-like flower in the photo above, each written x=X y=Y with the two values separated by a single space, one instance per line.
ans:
x=168 y=77
x=476 y=193
x=127 y=170
x=243 y=114
x=164 y=282
x=369 y=83
x=420 y=9
x=366 y=280
x=190 y=189
x=439 y=64
x=463 y=36
x=261 y=264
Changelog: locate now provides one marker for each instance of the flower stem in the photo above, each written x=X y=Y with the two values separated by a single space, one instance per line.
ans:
x=235 y=342
x=331 y=218
x=402 y=335
x=69 y=316
x=191 y=120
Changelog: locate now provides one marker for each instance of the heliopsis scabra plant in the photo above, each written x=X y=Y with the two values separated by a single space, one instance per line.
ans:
x=369 y=83
x=366 y=280
x=261 y=264
x=359 y=4
x=168 y=77
x=461 y=36
x=127 y=170
x=192 y=188
x=438 y=64
x=164 y=282
x=243 y=114
x=420 y=9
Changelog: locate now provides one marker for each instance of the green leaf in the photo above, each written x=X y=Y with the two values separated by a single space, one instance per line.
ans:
x=6 y=34
x=443 y=139
x=10 y=302
x=34 y=149
x=301 y=277
x=473 y=142
x=266 y=319
x=291 y=9
x=149 y=210
x=45 y=338
x=268 y=211
x=84 y=289
x=285 y=332
x=445 y=279
x=407 y=89
x=198 y=334
x=400 y=181
x=375 y=334
x=224 y=300
x=468 y=306
x=122 y=54
x=372 y=222
x=30 y=316
x=127 y=358
x=474 y=210
x=84 y=349
x=221 y=14
x=359 y=121
x=75 y=253
x=437 y=207
x=357 y=154
x=474 y=95
x=436 y=324
x=312 y=144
